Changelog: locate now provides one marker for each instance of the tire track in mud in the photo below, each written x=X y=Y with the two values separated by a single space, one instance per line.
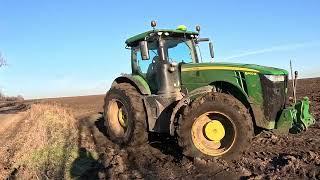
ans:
x=15 y=124
x=160 y=159
x=271 y=156
x=9 y=126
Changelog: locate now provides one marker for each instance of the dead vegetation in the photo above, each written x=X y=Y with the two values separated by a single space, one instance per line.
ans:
x=50 y=144
x=46 y=145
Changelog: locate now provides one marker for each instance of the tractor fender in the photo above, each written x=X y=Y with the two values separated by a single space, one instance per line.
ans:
x=242 y=96
x=233 y=89
x=186 y=101
x=136 y=81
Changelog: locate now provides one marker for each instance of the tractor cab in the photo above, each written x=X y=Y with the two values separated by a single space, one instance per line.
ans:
x=157 y=56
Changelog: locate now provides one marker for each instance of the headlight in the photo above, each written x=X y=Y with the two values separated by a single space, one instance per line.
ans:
x=275 y=78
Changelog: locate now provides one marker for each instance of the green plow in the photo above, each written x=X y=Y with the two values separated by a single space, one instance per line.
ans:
x=295 y=118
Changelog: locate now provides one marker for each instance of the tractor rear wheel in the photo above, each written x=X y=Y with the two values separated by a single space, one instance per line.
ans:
x=124 y=115
x=215 y=125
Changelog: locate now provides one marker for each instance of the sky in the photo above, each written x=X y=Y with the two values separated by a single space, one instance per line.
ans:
x=76 y=47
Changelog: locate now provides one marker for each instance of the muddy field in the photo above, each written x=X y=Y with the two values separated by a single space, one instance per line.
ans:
x=271 y=156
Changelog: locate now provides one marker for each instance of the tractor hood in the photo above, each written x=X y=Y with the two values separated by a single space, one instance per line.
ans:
x=234 y=67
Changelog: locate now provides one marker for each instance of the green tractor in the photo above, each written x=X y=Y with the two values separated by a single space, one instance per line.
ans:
x=213 y=109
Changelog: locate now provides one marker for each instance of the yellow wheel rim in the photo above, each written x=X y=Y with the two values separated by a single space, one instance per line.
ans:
x=117 y=118
x=122 y=118
x=213 y=133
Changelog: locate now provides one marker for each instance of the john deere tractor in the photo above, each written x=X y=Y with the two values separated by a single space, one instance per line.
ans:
x=213 y=109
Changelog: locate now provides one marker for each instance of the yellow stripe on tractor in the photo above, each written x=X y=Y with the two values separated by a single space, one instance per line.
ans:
x=203 y=68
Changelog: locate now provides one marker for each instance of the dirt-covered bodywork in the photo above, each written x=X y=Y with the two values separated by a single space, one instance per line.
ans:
x=262 y=89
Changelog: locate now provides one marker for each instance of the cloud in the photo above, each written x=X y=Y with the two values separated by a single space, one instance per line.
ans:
x=273 y=49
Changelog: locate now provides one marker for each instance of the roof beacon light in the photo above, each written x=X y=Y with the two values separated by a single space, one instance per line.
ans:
x=182 y=28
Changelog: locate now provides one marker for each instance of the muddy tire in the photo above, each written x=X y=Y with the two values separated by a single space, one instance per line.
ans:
x=124 y=115
x=215 y=126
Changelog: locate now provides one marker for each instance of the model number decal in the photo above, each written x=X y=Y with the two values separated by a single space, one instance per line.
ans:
x=250 y=73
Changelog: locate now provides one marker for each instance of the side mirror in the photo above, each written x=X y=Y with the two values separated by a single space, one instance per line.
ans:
x=144 y=50
x=211 y=50
x=202 y=40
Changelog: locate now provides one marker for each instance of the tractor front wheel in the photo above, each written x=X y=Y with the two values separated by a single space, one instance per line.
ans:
x=215 y=125
x=124 y=115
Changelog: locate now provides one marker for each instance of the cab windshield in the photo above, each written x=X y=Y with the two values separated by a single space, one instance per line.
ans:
x=178 y=50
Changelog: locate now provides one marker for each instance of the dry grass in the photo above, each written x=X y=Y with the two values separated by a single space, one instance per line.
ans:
x=47 y=144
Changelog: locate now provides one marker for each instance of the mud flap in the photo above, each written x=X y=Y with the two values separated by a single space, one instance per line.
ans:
x=295 y=118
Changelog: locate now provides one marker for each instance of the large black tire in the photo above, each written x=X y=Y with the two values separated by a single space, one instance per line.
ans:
x=135 y=132
x=218 y=103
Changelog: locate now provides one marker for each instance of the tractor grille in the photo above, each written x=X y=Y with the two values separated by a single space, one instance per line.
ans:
x=274 y=96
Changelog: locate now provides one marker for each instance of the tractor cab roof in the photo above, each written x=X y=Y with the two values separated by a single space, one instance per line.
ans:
x=133 y=41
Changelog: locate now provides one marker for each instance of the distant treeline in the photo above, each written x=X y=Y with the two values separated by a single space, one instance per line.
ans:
x=10 y=98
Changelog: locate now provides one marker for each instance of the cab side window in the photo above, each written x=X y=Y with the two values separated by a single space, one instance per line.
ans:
x=144 y=65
